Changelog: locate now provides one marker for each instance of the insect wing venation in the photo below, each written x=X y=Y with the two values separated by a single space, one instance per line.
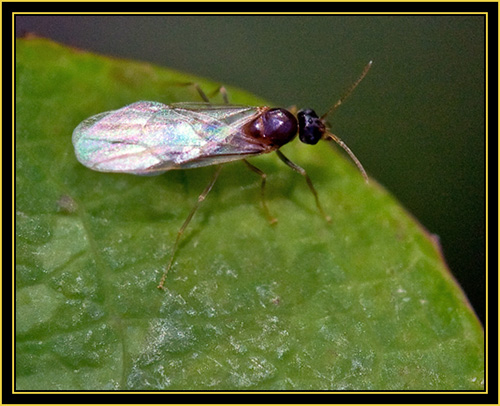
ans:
x=149 y=137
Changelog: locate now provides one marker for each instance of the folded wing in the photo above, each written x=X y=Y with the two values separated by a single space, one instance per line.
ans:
x=149 y=138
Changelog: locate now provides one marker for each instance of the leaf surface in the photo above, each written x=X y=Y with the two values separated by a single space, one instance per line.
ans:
x=363 y=303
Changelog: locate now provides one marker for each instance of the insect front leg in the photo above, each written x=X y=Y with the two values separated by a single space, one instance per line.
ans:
x=272 y=220
x=303 y=172
x=200 y=200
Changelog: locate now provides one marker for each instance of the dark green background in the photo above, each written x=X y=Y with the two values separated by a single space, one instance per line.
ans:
x=417 y=122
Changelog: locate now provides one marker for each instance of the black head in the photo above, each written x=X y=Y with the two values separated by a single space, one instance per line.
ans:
x=311 y=127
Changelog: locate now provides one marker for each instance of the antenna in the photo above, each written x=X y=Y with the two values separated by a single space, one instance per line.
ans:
x=348 y=92
x=349 y=152
x=335 y=107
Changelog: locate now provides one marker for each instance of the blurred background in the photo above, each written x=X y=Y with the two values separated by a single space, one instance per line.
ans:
x=417 y=121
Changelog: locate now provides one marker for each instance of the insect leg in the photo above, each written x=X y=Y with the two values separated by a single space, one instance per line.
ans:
x=201 y=198
x=221 y=89
x=263 y=176
x=303 y=172
x=201 y=92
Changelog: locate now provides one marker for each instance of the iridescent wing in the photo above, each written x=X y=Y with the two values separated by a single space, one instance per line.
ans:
x=146 y=138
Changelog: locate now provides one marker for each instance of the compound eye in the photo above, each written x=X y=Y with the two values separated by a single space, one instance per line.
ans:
x=311 y=127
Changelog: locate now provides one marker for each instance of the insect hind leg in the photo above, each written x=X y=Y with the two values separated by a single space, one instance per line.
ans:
x=200 y=200
x=220 y=90
x=303 y=172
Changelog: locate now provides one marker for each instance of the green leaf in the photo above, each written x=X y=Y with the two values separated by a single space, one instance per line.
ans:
x=363 y=303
